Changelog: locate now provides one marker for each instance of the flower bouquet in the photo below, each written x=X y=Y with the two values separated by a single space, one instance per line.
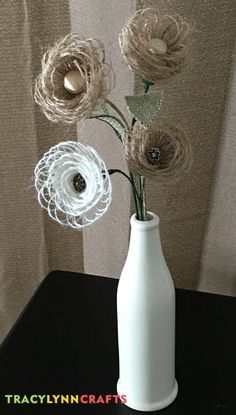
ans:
x=74 y=184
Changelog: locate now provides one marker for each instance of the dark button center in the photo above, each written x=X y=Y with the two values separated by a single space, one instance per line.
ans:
x=154 y=155
x=79 y=183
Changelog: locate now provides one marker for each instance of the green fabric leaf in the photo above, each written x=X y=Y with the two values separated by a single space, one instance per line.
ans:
x=146 y=84
x=145 y=107
x=103 y=114
x=100 y=111
x=114 y=123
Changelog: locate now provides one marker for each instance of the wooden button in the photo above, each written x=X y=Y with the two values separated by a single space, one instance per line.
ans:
x=157 y=46
x=74 y=82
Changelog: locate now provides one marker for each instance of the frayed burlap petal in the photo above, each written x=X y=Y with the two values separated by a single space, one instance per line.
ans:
x=161 y=152
x=73 y=52
x=168 y=57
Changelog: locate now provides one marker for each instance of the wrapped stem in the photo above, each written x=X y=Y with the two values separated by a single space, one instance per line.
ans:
x=143 y=197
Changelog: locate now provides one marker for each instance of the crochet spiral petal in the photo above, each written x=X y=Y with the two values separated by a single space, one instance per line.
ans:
x=73 y=184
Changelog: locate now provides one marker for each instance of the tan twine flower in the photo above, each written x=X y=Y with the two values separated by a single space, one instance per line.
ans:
x=72 y=53
x=162 y=152
x=155 y=47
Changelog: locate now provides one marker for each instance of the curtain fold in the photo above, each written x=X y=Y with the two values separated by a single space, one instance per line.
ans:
x=106 y=242
x=197 y=101
x=193 y=212
x=30 y=244
x=218 y=264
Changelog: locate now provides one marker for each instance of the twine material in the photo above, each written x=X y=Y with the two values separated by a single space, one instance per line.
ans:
x=56 y=181
x=135 y=44
x=173 y=151
x=73 y=52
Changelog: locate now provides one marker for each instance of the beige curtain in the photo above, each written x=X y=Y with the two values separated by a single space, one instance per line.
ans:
x=198 y=101
x=218 y=264
x=197 y=220
x=30 y=244
x=108 y=239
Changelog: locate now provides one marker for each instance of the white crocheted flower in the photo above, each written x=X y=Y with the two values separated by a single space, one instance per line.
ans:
x=73 y=184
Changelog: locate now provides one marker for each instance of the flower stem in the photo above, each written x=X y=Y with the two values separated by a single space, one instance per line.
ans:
x=139 y=199
x=136 y=196
x=115 y=108
x=143 y=197
x=147 y=85
x=131 y=180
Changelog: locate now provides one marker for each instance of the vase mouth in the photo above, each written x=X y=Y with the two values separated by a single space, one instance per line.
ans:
x=151 y=222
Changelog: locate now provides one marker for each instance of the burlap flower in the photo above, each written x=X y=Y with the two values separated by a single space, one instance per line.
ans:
x=155 y=47
x=78 y=63
x=162 y=151
x=73 y=184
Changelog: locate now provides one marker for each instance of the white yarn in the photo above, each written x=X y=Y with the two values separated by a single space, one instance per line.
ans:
x=54 y=175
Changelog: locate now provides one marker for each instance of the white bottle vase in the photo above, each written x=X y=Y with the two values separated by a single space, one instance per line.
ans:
x=146 y=321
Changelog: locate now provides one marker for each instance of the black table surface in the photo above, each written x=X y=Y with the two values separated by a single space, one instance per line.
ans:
x=65 y=342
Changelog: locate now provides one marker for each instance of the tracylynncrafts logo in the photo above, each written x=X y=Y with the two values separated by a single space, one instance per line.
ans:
x=65 y=399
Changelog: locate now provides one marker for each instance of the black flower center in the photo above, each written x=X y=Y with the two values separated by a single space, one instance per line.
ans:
x=154 y=155
x=79 y=183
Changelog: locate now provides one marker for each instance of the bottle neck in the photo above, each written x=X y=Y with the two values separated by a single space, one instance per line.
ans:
x=145 y=236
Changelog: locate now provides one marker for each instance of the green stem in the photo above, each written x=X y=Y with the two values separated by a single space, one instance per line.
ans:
x=115 y=108
x=136 y=196
x=142 y=199
x=131 y=180
x=147 y=85
x=141 y=202
x=103 y=118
